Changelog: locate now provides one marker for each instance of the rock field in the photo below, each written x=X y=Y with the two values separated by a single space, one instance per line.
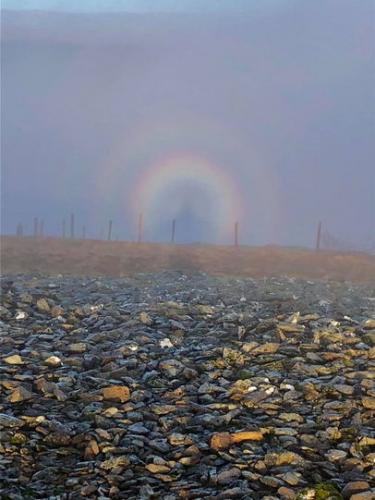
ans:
x=171 y=386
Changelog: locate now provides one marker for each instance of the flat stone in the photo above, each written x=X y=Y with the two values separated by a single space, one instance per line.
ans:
x=53 y=361
x=267 y=348
x=177 y=439
x=171 y=367
x=112 y=463
x=228 y=476
x=92 y=449
x=10 y=421
x=20 y=394
x=157 y=469
x=369 y=403
x=56 y=311
x=291 y=478
x=364 y=495
x=145 y=318
x=119 y=393
x=336 y=455
x=43 y=306
x=14 y=360
x=355 y=487
x=369 y=338
x=78 y=348
x=369 y=324
x=283 y=458
x=286 y=493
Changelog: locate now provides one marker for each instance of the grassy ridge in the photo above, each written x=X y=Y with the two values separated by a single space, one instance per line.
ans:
x=93 y=257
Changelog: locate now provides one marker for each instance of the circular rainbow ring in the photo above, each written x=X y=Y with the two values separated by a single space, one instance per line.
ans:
x=152 y=185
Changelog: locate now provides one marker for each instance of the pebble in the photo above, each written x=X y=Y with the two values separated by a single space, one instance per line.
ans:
x=19 y=394
x=364 y=495
x=42 y=306
x=286 y=493
x=53 y=361
x=157 y=469
x=119 y=393
x=14 y=360
x=355 y=487
x=228 y=476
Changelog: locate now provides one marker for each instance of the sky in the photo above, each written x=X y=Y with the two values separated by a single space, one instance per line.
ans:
x=273 y=105
x=200 y=6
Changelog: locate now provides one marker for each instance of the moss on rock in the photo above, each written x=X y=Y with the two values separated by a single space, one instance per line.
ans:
x=321 y=491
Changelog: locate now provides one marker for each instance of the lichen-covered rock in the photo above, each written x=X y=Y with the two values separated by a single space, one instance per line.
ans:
x=321 y=491
x=42 y=306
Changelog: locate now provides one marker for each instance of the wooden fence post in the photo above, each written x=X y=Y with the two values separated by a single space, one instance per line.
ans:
x=72 y=226
x=236 y=234
x=318 y=236
x=140 y=228
x=36 y=226
x=109 y=230
x=173 y=230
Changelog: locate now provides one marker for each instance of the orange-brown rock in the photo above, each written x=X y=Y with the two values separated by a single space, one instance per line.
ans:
x=119 y=393
x=19 y=394
x=222 y=440
x=92 y=449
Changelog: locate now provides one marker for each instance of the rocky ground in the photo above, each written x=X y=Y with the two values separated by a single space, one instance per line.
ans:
x=186 y=386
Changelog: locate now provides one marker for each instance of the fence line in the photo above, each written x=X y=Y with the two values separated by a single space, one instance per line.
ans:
x=331 y=242
x=324 y=239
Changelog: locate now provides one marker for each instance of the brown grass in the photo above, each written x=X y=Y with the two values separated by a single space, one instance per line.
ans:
x=94 y=258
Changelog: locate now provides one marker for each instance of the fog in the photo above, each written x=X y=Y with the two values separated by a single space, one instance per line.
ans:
x=280 y=102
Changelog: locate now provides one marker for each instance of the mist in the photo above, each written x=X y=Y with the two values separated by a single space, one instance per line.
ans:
x=280 y=100
x=187 y=259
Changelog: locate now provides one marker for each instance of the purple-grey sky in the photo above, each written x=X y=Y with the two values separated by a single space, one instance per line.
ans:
x=282 y=100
